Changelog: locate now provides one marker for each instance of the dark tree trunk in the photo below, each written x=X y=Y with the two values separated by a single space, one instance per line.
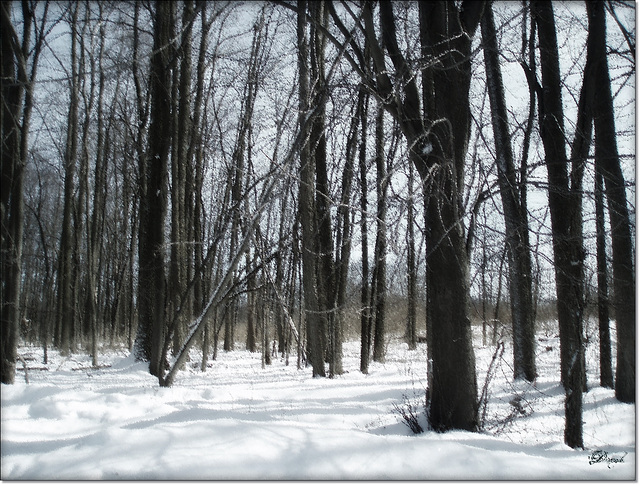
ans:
x=365 y=311
x=17 y=85
x=307 y=212
x=439 y=155
x=412 y=277
x=379 y=285
x=608 y=167
x=65 y=312
x=153 y=203
x=181 y=302
x=97 y=215
x=606 y=374
x=515 y=215
x=325 y=276
x=564 y=205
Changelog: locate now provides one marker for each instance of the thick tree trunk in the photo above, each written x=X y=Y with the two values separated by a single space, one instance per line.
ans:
x=307 y=212
x=16 y=96
x=439 y=156
x=153 y=204
x=325 y=276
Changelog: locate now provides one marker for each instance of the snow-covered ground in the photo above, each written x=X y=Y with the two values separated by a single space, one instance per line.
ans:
x=240 y=421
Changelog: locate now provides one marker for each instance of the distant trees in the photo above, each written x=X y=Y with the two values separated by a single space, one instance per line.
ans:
x=238 y=168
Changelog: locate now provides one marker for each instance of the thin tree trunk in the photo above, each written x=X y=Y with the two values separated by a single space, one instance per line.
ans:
x=65 y=317
x=412 y=277
x=606 y=374
x=181 y=98
x=365 y=311
x=379 y=301
x=565 y=223
x=98 y=209
x=515 y=215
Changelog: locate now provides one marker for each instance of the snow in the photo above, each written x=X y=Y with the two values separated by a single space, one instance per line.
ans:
x=239 y=421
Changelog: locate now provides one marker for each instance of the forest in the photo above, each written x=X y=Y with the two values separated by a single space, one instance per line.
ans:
x=292 y=178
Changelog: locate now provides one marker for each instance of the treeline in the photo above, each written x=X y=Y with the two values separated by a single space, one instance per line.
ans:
x=174 y=170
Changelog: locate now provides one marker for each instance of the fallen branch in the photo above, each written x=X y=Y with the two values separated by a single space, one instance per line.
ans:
x=94 y=367
x=24 y=365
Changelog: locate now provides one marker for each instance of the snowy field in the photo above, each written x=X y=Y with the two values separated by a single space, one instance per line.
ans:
x=240 y=421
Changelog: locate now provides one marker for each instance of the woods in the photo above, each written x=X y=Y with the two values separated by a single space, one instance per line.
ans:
x=284 y=177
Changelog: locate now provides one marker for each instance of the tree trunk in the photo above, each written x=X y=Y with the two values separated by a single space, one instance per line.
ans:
x=515 y=215
x=17 y=95
x=379 y=285
x=98 y=209
x=566 y=217
x=181 y=302
x=65 y=313
x=411 y=336
x=439 y=155
x=312 y=208
x=606 y=374
x=153 y=203
x=365 y=310
x=343 y=237
x=608 y=166
x=325 y=275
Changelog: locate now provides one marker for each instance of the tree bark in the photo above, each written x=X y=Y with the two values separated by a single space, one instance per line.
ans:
x=98 y=209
